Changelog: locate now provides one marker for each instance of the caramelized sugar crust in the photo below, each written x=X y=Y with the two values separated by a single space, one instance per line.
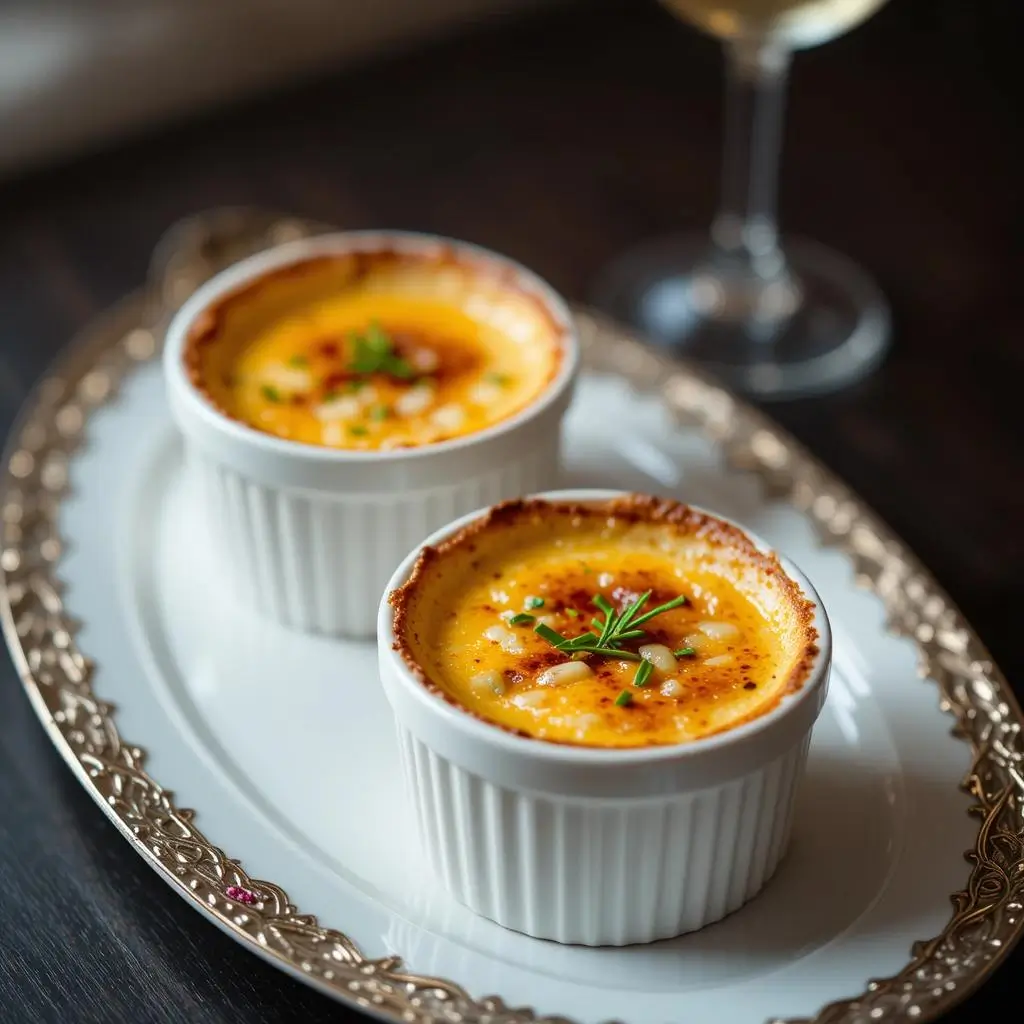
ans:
x=469 y=346
x=747 y=623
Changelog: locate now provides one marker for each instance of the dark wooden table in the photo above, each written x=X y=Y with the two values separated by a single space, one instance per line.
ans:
x=560 y=139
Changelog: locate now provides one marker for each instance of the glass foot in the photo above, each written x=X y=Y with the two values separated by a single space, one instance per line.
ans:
x=817 y=326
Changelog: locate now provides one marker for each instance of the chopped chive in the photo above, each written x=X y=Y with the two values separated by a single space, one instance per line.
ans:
x=380 y=412
x=520 y=618
x=624 y=698
x=643 y=675
x=358 y=430
x=298 y=360
x=613 y=652
x=666 y=607
x=270 y=393
x=356 y=385
x=535 y=602
x=553 y=638
x=635 y=608
x=684 y=652
x=498 y=379
x=572 y=613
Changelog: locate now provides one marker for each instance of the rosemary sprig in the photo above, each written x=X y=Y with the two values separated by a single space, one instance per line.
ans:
x=613 y=631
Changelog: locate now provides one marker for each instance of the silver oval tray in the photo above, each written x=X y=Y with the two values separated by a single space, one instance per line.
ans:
x=940 y=971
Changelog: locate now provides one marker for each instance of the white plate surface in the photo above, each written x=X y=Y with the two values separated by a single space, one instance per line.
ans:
x=284 y=746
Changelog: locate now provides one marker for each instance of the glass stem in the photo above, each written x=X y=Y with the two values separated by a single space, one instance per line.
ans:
x=745 y=232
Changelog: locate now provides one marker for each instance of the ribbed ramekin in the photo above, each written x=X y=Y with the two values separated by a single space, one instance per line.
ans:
x=310 y=534
x=591 y=846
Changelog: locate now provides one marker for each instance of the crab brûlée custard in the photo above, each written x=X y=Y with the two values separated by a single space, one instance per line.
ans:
x=343 y=396
x=604 y=706
x=626 y=623
x=376 y=350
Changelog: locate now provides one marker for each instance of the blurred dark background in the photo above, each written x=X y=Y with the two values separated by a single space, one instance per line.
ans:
x=561 y=134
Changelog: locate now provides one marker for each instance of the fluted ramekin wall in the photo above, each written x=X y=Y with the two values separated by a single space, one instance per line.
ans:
x=320 y=561
x=604 y=872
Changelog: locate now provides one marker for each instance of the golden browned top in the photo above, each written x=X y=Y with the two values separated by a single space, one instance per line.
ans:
x=376 y=350
x=503 y=619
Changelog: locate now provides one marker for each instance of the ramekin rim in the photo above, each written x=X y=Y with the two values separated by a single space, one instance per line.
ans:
x=479 y=730
x=338 y=242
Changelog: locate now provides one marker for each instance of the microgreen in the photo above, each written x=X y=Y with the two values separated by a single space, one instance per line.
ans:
x=373 y=351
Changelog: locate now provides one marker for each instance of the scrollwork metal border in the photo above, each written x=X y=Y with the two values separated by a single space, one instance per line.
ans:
x=987 y=915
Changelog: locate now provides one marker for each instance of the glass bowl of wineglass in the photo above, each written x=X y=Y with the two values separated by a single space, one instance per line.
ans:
x=768 y=318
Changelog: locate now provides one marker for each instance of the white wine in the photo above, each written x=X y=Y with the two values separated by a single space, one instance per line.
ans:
x=795 y=23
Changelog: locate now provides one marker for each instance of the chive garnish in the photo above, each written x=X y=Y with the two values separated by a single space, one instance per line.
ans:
x=498 y=379
x=572 y=613
x=644 y=671
x=358 y=430
x=270 y=393
x=553 y=638
x=380 y=412
x=624 y=698
x=298 y=360
x=684 y=652
x=534 y=602
x=520 y=618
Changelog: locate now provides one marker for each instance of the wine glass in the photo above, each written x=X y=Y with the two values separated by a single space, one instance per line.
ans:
x=768 y=319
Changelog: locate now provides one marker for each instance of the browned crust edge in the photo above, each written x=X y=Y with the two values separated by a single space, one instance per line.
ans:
x=205 y=330
x=684 y=519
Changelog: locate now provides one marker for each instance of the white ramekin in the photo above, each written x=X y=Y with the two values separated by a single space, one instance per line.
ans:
x=599 y=847
x=311 y=534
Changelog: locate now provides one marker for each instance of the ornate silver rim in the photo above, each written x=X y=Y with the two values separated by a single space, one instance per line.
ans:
x=987 y=914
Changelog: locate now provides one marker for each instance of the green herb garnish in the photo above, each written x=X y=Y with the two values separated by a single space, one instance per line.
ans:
x=613 y=630
x=684 y=652
x=624 y=698
x=358 y=430
x=270 y=393
x=298 y=360
x=534 y=602
x=374 y=352
x=644 y=671
x=520 y=618
x=380 y=412
x=498 y=379
x=572 y=613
